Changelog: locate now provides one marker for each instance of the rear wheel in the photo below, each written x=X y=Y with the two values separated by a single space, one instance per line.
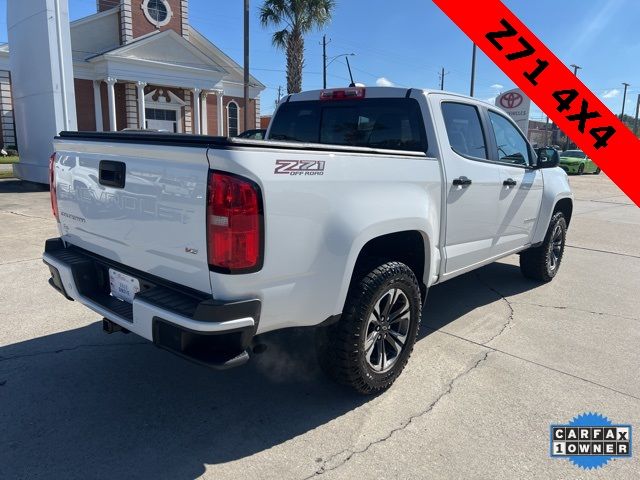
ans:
x=597 y=172
x=543 y=262
x=581 y=169
x=371 y=344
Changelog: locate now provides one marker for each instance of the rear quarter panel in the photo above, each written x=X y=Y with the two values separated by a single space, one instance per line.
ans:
x=317 y=223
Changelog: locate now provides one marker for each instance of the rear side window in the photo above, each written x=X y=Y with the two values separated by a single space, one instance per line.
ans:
x=387 y=123
x=464 y=129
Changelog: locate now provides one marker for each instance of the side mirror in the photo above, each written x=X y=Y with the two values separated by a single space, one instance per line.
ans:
x=548 y=157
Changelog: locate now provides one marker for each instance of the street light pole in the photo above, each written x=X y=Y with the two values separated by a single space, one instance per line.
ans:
x=246 y=64
x=624 y=99
x=473 y=70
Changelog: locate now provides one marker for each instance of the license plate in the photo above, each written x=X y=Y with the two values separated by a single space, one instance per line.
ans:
x=123 y=287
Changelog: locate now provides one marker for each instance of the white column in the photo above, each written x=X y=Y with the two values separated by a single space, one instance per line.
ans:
x=196 y=110
x=220 y=112
x=142 y=117
x=97 y=102
x=205 y=120
x=111 y=95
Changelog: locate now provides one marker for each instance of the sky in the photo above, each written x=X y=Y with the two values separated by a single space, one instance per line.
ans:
x=407 y=42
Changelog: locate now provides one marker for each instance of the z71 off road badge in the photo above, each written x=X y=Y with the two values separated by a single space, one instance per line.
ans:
x=299 y=167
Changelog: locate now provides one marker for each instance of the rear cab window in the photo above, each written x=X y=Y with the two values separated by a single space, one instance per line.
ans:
x=383 y=123
x=464 y=130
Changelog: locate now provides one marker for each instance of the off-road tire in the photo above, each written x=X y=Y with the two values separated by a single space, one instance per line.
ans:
x=537 y=262
x=340 y=347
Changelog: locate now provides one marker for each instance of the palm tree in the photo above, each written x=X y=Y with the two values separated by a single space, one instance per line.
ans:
x=298 y=17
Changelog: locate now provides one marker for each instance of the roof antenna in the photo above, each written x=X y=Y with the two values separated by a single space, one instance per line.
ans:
x=353 y=84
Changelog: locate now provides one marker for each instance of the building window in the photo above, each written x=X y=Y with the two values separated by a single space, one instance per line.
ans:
x=232 y=119
x=162 y=120
x=157 y=12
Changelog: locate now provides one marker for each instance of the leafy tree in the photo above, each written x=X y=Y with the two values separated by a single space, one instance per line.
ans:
x=297 y=17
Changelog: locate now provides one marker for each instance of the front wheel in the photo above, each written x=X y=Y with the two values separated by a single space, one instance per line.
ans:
x=543 y=262
x=370 y=345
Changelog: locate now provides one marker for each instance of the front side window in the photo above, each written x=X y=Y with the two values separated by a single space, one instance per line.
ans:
x=512 y=147
x=464 y=129
x=383 y=123
x=233 y=119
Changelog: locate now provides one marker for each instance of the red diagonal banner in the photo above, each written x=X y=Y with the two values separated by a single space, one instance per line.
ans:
x=551 y=86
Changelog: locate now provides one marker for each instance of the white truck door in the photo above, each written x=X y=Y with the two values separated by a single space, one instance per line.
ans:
x=522 y=186
x=473 y=185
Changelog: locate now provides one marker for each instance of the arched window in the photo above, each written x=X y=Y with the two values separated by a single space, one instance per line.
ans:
x=232 y=119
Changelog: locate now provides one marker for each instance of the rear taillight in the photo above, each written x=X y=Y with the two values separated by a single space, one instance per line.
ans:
x=52 y=186
x=356 y=93
x=234 y=224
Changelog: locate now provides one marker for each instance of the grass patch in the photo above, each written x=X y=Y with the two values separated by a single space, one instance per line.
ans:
x=6 y=160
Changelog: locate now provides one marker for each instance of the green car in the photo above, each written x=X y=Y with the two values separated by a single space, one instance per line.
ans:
x=576 y=161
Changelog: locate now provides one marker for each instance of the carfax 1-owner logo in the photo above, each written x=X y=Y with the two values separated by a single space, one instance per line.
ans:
x=590 y=440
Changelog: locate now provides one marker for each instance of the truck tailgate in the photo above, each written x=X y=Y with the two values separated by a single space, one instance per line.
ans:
x=141 y=206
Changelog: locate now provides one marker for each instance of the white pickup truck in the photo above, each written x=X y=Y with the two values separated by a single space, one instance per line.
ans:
x=359 y=200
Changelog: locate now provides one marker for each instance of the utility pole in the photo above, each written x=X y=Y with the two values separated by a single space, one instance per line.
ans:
x=279 y=95
x=624 y=99
x=442 y=74
x=246 y=65
x=575 y=69
x=324 y=61
x=635 y=123
x=473 y=70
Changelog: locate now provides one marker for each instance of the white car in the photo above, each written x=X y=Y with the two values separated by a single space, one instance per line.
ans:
x=359 y=201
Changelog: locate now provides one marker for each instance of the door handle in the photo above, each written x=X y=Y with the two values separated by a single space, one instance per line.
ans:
x=112 y=174
x=461 y=182
x=509 y=182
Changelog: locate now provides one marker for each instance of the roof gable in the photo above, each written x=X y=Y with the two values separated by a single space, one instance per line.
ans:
x=167 y=48
x=95 y=34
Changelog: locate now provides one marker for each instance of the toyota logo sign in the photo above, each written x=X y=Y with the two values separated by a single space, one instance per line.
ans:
x=511 y=100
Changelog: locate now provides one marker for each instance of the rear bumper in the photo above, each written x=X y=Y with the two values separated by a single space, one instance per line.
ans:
x=183 y=321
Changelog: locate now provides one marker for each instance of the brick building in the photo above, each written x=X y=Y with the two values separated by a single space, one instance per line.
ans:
x=139 y=64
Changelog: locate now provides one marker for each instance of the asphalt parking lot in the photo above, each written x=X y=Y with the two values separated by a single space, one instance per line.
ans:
x=499 y=359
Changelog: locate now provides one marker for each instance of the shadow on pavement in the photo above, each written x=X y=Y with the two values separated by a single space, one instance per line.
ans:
x=453 y=299
x=81 y=404
x=14 y=185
